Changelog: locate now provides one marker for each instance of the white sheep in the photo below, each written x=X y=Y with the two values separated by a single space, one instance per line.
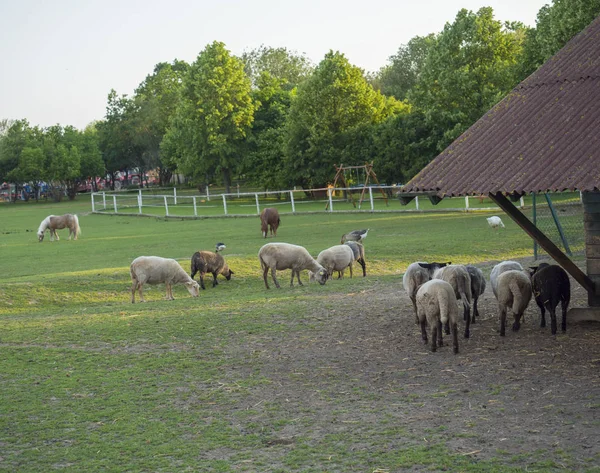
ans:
x=495 y=222
x=514 y=293
x=477 y=287
x=416 y=275
x=280 y=256
x=336 y=258
x=437 y=305
x=157 y=270
x=458 y=277
x=499 y=269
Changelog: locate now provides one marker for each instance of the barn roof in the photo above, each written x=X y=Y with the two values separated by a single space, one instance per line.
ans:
x=543 y=136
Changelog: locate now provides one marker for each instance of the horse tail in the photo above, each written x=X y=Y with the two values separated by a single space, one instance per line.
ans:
x=77 y=228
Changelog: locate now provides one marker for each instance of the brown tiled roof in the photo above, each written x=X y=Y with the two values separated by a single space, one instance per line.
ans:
x=543 y=136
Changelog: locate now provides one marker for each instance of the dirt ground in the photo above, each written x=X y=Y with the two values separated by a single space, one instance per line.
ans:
x=525 y=398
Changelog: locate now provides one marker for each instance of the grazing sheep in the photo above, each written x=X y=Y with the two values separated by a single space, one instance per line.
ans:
x=495 y=222
x=458 y=277
x=359 y=254
x=336 y=258
x=514 y=293
x=551 y=285
x=499 y=269
x=280 y=256
x=157 y=270
x=437 y=305
x=269 y=220
x=417 y=274
x=209 y=262
x=477 y=287
x=356 y=235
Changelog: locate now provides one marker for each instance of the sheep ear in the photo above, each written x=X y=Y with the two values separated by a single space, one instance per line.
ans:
x=231 y=272
x=425 y=265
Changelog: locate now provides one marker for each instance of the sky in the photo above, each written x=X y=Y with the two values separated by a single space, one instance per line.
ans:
x=60 y=59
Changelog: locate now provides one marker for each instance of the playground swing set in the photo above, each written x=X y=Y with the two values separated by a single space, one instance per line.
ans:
x=369 y=174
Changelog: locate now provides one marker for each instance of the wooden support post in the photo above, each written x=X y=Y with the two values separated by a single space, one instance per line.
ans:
x=591 y=222
x=543 y=241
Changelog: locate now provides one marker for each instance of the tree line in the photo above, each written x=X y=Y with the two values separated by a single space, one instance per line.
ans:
x=275 y=120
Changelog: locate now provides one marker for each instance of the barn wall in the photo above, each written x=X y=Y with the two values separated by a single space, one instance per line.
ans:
x=591 y=217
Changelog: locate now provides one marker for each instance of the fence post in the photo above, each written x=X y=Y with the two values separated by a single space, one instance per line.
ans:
x=371 y=198
x=195 y=211
x=104 y=199
x=93 y=208
x=558 y=225
x=417 y=201
x=174 y=195
x=115 y=203
x=466 y=203
x=522 y=202
x=166 y=206
x=330 y=191
x=140 y=201
x=224 y=204
x=292 y=201
x=207 y=194
x=257 y=206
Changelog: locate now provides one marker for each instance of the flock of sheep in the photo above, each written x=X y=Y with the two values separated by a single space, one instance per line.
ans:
x=433 y=288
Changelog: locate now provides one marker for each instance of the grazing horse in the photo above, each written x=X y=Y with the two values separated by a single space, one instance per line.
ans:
x=57 y=222
x=269 y=219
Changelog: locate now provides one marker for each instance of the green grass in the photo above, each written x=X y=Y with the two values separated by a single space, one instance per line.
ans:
x=90 y=382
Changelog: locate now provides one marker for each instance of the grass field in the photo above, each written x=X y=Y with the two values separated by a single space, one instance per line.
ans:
x=90 y=382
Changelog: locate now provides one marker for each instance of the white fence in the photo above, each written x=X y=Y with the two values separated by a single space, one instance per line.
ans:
x=374 y=199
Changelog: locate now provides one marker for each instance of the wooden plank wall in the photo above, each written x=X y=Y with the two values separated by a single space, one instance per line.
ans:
x=591 y=219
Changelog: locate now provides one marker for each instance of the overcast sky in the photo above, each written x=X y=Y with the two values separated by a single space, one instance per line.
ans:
x=59 y=59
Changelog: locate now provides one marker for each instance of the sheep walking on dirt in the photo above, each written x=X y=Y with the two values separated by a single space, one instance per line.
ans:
x=415 y=276
x=437 y=305
x=458 y=277
x=477 y=287
x=499 y=269
x=514 y=293
x=551 y=285
x=208 y=262
x=280 y=256
x=157 y=270
x=269 y=220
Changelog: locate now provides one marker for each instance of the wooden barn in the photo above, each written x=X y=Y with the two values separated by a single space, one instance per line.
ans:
x=542 y=137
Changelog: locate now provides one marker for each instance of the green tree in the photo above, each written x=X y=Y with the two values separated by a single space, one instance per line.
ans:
x=289 y=67
x=18 y=136
x=214 y=115
x=333 y=101
x=471 y=66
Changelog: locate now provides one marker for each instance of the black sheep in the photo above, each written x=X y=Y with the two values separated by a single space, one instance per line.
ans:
x=551 y=285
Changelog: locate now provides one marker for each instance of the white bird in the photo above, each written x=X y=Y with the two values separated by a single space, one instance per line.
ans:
x=495 y=222
x=220 y=247
x=356 y=235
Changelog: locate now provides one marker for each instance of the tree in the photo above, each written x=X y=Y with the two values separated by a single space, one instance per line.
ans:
x=404 y=68
x=469 y=68
x=289 y=67
x=16 y=138
x=214 y=115
x=332 y=102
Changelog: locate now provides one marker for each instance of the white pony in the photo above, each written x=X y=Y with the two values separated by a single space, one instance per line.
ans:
x=57 y=222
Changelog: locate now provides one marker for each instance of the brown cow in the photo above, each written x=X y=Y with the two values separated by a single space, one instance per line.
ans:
x=269 y=219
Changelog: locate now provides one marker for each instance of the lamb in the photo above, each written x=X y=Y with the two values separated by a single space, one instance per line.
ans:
x=499 y=269
x=514 y=293
x=436 y=304
x=477 y=287
x=269 y=220
x=157 y=270
x=336 y=258
x=281 y=256
x=355 y=235
x=458 y=277
x=551 y=285
x=417 y=274
x=359 y=254
x=209 y=262
x=495 y=222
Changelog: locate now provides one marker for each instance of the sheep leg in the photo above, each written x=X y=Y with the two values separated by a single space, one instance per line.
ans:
x=543 y=311
x=455 y=337
x=517 y=323
x=440 y=340
x=475 y=311
x=298 y=276
x=447 y=328
x=423 y=329
x=141 y=291
x=265 y=276
x=215 y=282
x=552 y=319
x=167 y=297
x=467 y=325
x=350 y=271
x=414 y=303
x=361 y=261
x=273 y=271
x=202 y=280
x=434 y=335
x=502 y=321
x=133 y=288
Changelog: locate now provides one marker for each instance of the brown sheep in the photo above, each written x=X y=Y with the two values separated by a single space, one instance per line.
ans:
x=209 y=262
x=269 y=220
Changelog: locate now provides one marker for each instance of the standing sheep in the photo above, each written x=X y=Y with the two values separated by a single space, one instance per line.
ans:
x=514 y=293
x=416 y=275
x=336 y=258
x=477 y=287
x=551 y=285
x=269 y=220
x=458 y=277
x=209 y=262
x=499 y=269
x=495 y=222
x=280 y=256
x=359 y=254
x=437 y=305
x=157 y=270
